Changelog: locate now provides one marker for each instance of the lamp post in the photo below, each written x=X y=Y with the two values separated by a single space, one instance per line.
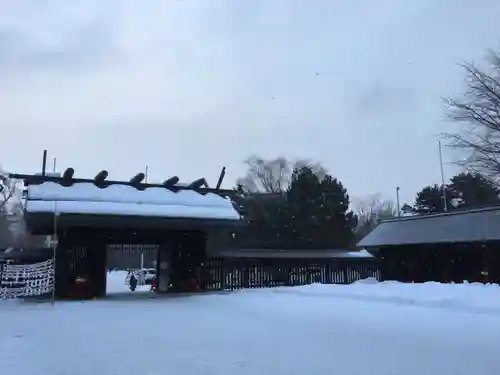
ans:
x=54 y=242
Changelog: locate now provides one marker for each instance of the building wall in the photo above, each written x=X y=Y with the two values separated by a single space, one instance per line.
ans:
x=218 y=240
x=129 y=256
x=125 y=256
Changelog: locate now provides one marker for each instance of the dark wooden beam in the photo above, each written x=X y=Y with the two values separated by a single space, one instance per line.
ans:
x=44 y=162
x=221 y=178
x=43 y=222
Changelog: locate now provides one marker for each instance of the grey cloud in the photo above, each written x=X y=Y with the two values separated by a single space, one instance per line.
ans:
x=204 y=78
x=22 y=50
x=380 y=99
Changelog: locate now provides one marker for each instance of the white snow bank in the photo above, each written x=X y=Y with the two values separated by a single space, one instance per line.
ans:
x=307 y=330
x=467 y=296
x=355 y=254
x=474 y=297
x=368 y=280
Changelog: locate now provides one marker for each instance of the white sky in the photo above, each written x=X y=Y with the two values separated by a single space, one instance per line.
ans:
x=188 y=86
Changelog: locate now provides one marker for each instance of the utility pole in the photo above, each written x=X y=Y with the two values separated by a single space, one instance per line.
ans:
x=142 y=249
x=54 y=243
x=443 y=186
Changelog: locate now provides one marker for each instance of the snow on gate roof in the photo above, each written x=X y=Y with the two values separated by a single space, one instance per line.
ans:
x=77 y=196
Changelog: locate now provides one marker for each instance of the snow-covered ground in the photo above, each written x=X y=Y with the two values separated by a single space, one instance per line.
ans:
x=364 y=328
x=116 y=283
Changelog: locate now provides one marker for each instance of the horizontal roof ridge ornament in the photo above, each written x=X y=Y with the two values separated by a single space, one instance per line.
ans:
x=67 y=177
x=101 y=181
x=137 y=179
x=171 y=182
x=100 y=178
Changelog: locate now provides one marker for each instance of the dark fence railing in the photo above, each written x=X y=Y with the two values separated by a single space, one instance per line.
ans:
x=231 y=274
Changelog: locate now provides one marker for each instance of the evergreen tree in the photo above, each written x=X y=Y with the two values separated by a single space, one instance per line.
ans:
x=302 y=203
x=472 y=190
x=318 y=210
x=430 y=200
x=465 y=190
x=263 y=221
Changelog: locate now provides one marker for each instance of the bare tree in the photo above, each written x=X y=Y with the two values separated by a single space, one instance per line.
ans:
x=370 y=211
x=273 y=175
x=374 y=205
x=9 y=193
x=268 y=176
x=11 y=209
x=478 y=111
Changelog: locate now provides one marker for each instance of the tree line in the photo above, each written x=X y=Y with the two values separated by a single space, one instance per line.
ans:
x=304 y=207
x=464 y=191
x=293 y=205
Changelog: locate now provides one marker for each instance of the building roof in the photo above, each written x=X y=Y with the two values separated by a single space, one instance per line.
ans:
x=460 y=226
x=295 y=254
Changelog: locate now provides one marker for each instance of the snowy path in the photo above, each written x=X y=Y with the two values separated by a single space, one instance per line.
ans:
x=257 y=332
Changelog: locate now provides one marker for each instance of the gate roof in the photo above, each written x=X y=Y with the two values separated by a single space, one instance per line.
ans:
x=102 y=198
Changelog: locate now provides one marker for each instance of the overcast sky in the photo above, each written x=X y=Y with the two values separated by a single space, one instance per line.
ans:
x=187 y=86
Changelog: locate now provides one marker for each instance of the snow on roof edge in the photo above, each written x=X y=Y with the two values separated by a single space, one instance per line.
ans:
x=132 y=209
x=88 y=192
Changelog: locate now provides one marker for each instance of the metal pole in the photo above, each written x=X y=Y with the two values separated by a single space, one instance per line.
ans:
x=443 y=186
x=146 y=175
x=54 y=247
x=44 y=162
x=397 y=201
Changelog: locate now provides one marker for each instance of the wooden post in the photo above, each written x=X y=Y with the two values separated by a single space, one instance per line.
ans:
x=221 y=178
x=485 y=262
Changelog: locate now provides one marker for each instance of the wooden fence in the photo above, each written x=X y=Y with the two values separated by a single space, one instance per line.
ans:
x=231 y=274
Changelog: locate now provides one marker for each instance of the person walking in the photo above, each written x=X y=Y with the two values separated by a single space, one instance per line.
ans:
x=133 y=282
